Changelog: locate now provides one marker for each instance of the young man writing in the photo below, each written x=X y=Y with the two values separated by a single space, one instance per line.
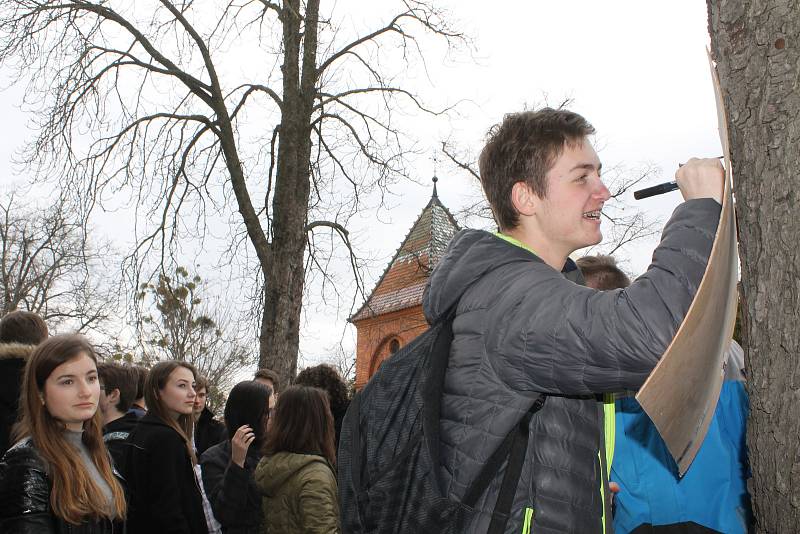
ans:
x=525 y=326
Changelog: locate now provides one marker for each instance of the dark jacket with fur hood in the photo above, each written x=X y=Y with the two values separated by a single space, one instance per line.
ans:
x=12 y=363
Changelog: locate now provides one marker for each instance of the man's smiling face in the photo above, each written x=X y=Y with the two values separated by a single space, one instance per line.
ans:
x=568 y=218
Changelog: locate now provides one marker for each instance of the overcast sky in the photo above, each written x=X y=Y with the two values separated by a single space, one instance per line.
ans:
x=637 y=70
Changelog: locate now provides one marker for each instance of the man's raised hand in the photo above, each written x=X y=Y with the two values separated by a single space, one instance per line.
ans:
x=701 y=178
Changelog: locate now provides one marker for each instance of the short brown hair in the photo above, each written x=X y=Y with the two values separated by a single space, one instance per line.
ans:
x=200 y=382
x=141 y=376
x=601 y=272
x=523 y=148
x=303 y=424
x=269 y=374
x=20 y=326
x=122 y=377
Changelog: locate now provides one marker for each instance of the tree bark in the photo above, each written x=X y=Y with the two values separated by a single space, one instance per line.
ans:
x=757 y=49
x=285 y=274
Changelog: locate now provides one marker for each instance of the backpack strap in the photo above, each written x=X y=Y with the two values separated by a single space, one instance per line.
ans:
x=433 y=383
x=514 y=447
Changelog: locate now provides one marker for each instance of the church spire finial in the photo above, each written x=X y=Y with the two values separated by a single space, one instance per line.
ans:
x=435 y=179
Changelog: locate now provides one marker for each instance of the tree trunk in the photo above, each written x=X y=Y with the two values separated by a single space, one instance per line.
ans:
x=757 y=49
x=285 y=274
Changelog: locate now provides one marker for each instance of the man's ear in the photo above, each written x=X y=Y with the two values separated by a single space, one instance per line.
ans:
x=524 y=199
x=113 y=396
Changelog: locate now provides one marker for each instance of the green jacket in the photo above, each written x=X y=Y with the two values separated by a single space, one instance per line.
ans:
x=300 y=494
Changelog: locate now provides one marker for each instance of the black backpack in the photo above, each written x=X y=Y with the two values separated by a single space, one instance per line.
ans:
x=389 y=449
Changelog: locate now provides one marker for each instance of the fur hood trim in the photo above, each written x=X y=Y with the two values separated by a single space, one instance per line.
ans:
x=11 y=351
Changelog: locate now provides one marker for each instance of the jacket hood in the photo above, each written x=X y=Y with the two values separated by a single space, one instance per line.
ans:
x=18 y=351
x=12 y=364
x=275 y=470
x=471 y=255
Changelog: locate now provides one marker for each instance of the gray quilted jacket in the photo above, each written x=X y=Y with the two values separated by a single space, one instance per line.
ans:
x=522 y=328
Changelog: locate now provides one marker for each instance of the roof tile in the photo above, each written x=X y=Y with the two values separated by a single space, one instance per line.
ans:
x=402 y=283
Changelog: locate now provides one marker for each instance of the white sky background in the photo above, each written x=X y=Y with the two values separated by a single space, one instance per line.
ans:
x=637 y=70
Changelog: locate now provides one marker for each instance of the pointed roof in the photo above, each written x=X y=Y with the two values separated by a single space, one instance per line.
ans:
x=403 y=281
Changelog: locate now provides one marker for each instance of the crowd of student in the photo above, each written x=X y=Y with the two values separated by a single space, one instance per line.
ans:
x=100 y=447
x=170 y=466
x=533 y=364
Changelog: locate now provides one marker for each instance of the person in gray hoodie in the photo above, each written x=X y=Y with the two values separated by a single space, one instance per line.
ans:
x=525 y=326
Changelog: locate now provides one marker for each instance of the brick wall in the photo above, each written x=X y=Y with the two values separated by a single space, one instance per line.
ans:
x=374 y=335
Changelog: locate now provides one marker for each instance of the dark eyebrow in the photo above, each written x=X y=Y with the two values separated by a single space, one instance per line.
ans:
x=586 y=167
x=93 y=371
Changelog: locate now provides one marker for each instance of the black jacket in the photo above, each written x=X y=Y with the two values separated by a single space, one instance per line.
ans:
x=25 y=498
x=165 y=496
x=232 y=490
x=521 y=329
x=208 y=431
x=12 y=362
x=115 y=436
x=338 y=417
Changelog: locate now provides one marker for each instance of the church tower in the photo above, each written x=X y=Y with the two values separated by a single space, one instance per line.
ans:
x=392 y=314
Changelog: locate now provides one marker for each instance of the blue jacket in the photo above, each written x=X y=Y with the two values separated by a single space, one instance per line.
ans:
x=713 y=493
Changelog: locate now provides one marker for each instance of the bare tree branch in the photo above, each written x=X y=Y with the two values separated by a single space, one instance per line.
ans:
x=47 y=266
x=142 y=101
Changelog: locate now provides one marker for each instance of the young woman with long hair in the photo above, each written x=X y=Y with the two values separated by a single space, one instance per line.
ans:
x=159 y=464
x=228 y=467
x=327 y=378
x=58 y=477
x=297 y=476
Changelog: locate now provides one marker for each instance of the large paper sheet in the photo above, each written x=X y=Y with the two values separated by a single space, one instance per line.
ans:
x=681 y=394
